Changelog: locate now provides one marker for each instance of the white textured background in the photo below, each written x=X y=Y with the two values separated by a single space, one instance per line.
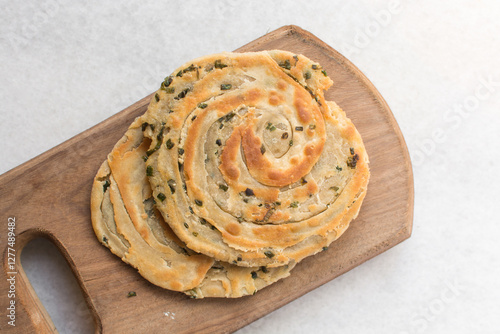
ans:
x=67 y=65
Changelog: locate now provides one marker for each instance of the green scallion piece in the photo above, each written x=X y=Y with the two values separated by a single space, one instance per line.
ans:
x=269 y=254
x=286 y=64
x=218 y=64
x=169 y=144
x=168 y=80
x=249 y=192
x=229 y=116
x=105 y=186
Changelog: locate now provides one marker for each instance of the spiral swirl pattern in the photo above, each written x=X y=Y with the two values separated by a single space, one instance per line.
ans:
x=250 y=164
x=238 y=170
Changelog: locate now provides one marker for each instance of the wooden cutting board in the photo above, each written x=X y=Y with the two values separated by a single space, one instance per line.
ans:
x=49 y=197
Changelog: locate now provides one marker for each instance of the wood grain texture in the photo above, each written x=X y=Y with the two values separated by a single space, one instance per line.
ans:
x=49 y=196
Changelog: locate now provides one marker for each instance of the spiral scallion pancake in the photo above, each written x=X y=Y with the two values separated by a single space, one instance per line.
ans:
x=249 y=163
x=238 y=170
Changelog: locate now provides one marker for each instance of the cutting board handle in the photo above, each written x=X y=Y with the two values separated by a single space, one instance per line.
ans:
x=25 y=311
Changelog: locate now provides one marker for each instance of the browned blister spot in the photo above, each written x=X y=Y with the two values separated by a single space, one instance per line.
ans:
x=309 y=150
x=229 y=155
x=274 y=99
x=275 y=174
x=282 y=84
x=304 y=109
x=233 y=172
x=233 y=229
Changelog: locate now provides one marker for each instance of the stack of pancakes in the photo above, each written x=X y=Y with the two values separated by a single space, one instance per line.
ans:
x=238 y=170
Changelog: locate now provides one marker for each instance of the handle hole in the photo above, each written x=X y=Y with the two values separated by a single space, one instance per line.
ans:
x=56 y=287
